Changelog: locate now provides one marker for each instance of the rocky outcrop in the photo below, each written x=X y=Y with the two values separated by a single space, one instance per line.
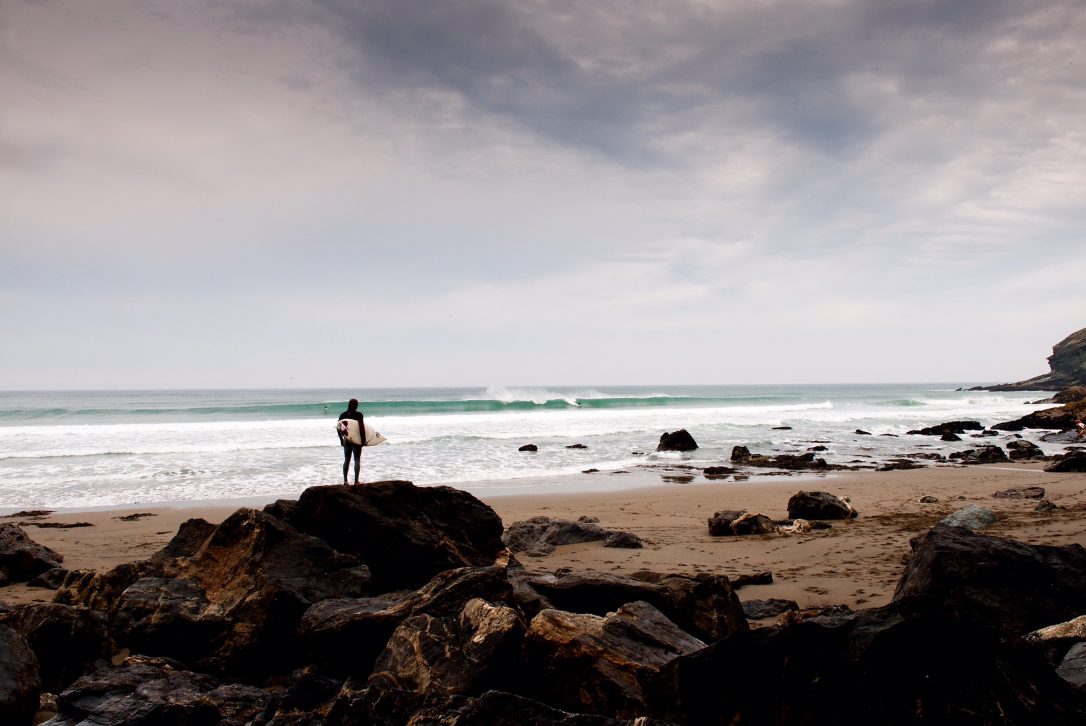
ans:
x=1071 y=461
x=982 y=455
x=538 y=536
x=950 y=427
x=793 y=462
x=1067 y=368
x=680 y=440
x=19 y=680
x=820 y=505
x=1022 y=449
x=67 y=641
x=1061 y=418
x=1021 y=493
x=734 y=522
x=996 y=581
x=21 y=558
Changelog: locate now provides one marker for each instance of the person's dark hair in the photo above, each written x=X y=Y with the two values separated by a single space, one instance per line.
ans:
x=352 y=405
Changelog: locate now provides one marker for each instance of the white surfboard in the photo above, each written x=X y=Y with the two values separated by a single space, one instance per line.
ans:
x=350 y=428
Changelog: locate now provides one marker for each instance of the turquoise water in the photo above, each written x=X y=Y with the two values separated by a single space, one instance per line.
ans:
x=101 y=448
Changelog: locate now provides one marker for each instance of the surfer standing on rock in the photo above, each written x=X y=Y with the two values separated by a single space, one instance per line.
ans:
x=351 y=449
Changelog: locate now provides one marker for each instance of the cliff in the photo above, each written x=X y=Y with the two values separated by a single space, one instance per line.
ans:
x=1067 y=368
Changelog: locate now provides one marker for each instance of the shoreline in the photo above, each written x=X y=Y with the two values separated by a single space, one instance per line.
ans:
x=856 y=563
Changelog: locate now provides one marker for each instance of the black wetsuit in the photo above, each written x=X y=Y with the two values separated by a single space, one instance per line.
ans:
x=350 y=449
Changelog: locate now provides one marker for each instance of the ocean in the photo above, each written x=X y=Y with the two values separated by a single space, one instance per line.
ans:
x=82 y=449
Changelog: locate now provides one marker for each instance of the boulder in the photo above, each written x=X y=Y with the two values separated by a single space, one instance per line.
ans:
x=20 y=684
x=346 y=635
x=468 y=654
x=820 y=505
x=901 y=664
x=403 y=533
x=970 y=517
x=593 y=664
x=1072 y=461
x=144 y=691
x=1055 y=640
x=1073 y=667
x=528 y=447
x=1021 y=493
x=734 y=522
x=1061 y=417
x=170 y=617
x=771 y=608
x=680 y=440
x=950 y=427
x=717 y=472
x=703 y=605
x=950 y=437
x=50 y=579
x=539 y=536
x=1022 y=449
x=67 y=641
x=101 y=590
x=996 y=581
x=623 y=540
x=800 y=462
x=21 y=558
x=983 y=455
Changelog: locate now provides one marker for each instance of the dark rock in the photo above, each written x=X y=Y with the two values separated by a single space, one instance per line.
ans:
x=983 y=455
x=702 y=605
x=1021 y=493
x=590 y=471
x=529 y=447
x=996 y=581
x=1073 y=667
x=899 y=465
x=872 y=667
x=861 y=432
x=145 y=691
x=170 y=617
x=405 y=534
x=950 y=437
x=926 y=456
x=468 y=654
x=928 y=499
x=757 y=578
x=305 y=700
x=771 y=608
x=101 y=590
x=950 y=427
x=1022 y=449
x=21 y=558
x=735 y=522
x=820 y=505
x=1067 y=368
x=1062 y=418
x=66 y=640
x=623 y=540
x=717 y=472
x=592 y=664
x=577 y=446
x=1070 y=462
x=820 y=447
x=346 y=635
x=782 y=428
x=20 y=684
x=1045 y=505
x=742 y=455
x=540 y=535
x=970 y=517
x=49 y=580
x=191 y=535
x=680 y=440
x=1055 y=640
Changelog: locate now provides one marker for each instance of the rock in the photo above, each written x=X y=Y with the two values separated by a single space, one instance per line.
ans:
x=577 y=446
x=1022 y=449
x=67 y=641
x=305 y=699
x=820 y=447
x=928 y=499
x=742 y=455
x=735 y=522
x=950 y=427
x=680 y=440
x=403 y=533
x=996 y=581
x=1061 y=417
x=820 y=505
x=49 y=580
x=771 y=608
x=861 y=432
x=169 y=617
x=540 y=535
x=21 y=558
x=718 y=472
x=899 y=465
x=593 y=664
x=529 y=447
x=190 y=537
x=149 y=691
x=101 y=590
x=970 y=517
x=1067 y=368
x=901 y=664
x=1045 y=505
x=1021 y=493
x=950 y=437
x=1073 y=667
x=1056 y=639
x=782 y=428
x=1072 y=461
x=346 y=635
x=703 y=605
x=20 y=684
x=468 y=654
x=623 y=540
x=983 y=455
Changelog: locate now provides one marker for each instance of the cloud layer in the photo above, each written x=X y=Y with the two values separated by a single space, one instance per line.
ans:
x=469 y=192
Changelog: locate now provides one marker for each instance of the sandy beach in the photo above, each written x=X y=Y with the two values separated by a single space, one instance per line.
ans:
x=856 y=563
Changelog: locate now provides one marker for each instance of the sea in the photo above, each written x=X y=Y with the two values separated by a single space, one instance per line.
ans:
x=91 y=449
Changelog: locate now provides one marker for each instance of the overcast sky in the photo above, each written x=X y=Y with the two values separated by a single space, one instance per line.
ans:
x=459 y=192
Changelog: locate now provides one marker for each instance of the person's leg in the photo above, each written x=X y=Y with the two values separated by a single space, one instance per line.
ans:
x=346 y=460
x=357 y=461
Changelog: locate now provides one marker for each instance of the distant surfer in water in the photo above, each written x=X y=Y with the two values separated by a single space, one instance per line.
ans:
x=350 y=449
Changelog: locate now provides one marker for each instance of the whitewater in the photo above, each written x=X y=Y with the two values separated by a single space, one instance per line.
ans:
x=115 y=448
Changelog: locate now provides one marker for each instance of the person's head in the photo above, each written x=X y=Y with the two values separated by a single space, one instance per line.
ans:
x=352 y=405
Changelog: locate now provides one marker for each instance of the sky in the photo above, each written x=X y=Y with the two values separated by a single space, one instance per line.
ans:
x=381 y=193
